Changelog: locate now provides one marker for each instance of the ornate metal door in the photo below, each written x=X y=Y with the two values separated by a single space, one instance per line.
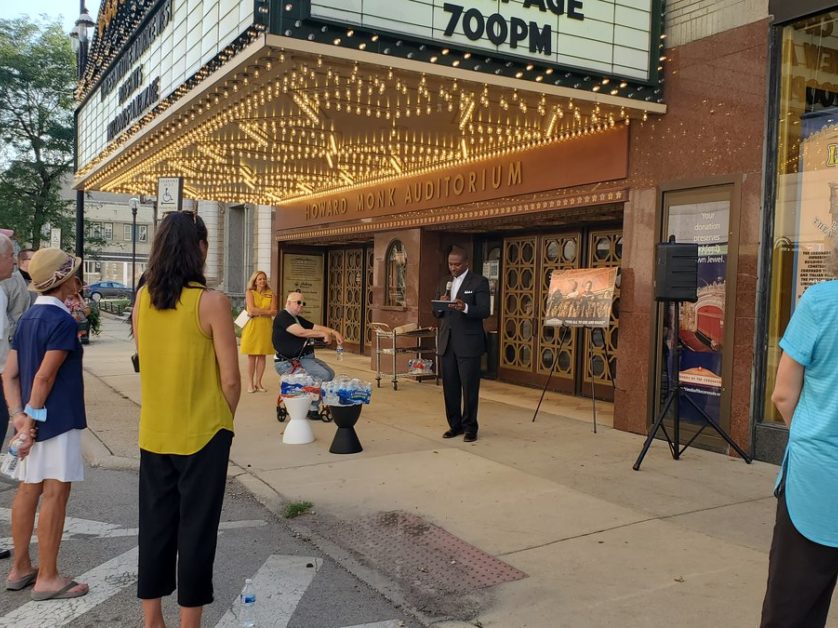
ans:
x=528 y=349
x=346 y=299
x=605 y=249
x=557 y=252
x=520 y=291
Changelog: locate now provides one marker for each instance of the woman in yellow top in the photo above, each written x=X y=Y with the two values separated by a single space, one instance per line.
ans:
x=256 y=335
x=190 y=385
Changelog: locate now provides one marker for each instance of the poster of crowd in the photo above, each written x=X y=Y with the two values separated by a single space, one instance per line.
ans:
x=580 y=297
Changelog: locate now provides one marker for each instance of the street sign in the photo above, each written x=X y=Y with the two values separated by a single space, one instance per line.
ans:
x=169 y=194
x=55 y=238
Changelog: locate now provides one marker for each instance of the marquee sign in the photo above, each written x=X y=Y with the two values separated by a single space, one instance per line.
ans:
x=173 y=42
x=611 y=37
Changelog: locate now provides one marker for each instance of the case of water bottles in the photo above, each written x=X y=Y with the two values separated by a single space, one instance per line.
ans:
x=420 y=367
x=346 y=391
x=296 y=384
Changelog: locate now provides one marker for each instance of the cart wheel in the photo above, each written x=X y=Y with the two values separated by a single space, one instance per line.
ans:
x=378 y=383
x=281 y=412
x=325 y=414
x=395 y=385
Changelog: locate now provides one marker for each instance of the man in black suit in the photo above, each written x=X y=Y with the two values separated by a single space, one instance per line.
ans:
x=461 y=343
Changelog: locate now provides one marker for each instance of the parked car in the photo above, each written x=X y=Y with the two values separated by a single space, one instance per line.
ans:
x=107 y=290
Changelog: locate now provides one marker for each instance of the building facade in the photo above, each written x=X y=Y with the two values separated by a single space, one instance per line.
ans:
x=347 y=145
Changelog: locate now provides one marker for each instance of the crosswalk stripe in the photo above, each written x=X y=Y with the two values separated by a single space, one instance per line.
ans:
x=393 y=623
x=88 y=528
x=105 y=581
x=280 y=584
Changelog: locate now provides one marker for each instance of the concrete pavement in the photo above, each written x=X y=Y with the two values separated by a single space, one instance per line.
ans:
x=680 y=543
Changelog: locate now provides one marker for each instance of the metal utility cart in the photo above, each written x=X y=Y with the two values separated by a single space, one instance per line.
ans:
x=423 y=346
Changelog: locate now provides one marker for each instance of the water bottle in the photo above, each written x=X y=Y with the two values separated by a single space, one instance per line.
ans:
x=247 y=609
x=11 y=460
x=339 y=353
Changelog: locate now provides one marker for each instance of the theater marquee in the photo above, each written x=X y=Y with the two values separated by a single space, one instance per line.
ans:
x=175 y=40
x=608 y=37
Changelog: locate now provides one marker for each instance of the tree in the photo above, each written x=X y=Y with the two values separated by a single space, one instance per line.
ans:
x=37 y=76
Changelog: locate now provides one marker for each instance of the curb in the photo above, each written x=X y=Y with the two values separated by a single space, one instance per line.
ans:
x=97 y=454
x=275 y=502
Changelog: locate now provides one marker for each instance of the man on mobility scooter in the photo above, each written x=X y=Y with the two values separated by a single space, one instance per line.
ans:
x=293 y=340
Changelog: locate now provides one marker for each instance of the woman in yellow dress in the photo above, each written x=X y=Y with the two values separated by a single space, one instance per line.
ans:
x=256 y=336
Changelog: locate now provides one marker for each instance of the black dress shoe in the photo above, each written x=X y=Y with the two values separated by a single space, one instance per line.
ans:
x=451 y=433
x=469 y=438
x=5 y=553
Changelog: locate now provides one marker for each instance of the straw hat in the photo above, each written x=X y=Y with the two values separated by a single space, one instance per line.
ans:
x=49 y=268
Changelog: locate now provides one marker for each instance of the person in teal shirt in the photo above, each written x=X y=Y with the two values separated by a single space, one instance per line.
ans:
x=803 y=562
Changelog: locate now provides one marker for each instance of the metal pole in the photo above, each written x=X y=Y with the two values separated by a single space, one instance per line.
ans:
x=133 y=248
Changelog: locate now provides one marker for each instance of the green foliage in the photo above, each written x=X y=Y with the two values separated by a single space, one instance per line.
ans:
x=37 y=76
x=295 y=509
x=95 y=319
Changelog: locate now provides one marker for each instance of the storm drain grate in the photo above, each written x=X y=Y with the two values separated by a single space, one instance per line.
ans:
x=421 y=554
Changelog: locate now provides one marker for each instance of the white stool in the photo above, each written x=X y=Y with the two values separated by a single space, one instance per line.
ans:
x=298 y=431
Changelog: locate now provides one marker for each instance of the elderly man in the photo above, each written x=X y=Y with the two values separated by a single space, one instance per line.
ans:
x=7 y=266
x=293 y=338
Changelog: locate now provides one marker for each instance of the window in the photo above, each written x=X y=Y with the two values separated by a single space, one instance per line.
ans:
x=126 y=233
x=806 y=204
x=142 y=233
x=94 y=230
x=395 y=272
x=107 y=231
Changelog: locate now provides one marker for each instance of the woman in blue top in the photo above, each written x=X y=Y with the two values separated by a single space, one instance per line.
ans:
x=45 y=391
x=803 y=563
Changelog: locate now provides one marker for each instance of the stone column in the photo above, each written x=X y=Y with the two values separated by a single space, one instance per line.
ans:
x=212 y=213
x=263 y=238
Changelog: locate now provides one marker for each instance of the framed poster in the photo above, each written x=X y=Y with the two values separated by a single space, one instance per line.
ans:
x=701 y=216
x=580 y=297
x=303 y=272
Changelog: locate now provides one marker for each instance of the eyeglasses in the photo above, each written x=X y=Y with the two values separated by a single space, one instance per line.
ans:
x=300 y=303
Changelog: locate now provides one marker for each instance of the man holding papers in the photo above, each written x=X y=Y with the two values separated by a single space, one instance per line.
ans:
x=461 y=342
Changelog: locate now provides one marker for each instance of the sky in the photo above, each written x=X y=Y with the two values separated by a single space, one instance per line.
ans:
x=68 y=10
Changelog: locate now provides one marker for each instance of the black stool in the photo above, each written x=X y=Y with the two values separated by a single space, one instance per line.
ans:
x=346 y=440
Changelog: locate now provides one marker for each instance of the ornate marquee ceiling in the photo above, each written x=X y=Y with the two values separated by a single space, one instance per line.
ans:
x=287 y=123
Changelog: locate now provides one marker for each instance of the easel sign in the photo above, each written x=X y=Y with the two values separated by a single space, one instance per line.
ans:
x=580 y=298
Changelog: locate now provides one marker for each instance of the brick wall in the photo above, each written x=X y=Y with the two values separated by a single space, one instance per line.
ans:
x=690 y=20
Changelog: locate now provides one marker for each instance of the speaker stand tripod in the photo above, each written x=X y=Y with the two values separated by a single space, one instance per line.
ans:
x=673 y=400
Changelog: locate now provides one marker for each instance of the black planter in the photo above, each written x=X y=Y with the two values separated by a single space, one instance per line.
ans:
x=346 y=440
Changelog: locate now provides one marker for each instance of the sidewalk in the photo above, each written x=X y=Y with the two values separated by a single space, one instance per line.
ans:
x=680 y=543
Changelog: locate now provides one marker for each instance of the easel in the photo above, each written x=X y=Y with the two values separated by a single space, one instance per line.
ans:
x=673 y=400
x=563 y=335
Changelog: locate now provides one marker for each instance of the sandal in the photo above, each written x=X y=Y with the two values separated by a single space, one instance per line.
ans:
x=64 y=593
x=22 y=583
x=261 y=389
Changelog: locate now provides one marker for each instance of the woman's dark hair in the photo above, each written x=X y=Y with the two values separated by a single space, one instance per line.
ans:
x=176 y=258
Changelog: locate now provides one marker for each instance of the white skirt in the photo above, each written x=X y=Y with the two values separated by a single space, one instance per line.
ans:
x=58 y=458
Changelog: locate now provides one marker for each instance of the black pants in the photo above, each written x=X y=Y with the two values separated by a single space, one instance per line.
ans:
x=801 y=577
x=461 y=389
x=180 y=508
x=4 y=413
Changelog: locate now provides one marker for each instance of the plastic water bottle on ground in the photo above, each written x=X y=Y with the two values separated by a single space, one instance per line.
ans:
x=339 y=353
x=247 y=606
